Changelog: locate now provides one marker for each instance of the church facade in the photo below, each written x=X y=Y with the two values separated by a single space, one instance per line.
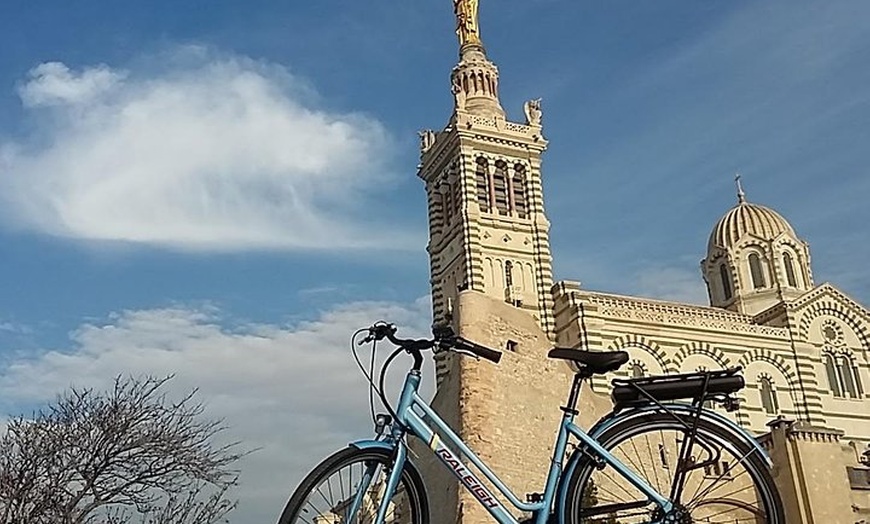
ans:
x=803 y=346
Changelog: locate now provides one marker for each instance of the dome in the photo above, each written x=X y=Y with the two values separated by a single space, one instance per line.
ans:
x=746 y=218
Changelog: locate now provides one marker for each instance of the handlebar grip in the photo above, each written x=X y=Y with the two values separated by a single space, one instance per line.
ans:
x=481 y=351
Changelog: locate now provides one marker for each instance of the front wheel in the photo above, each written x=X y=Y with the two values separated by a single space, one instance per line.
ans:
x=348 y=487
x=721 y=481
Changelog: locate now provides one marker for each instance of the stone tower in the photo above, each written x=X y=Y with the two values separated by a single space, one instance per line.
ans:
x=491 y=280
x=488 y=231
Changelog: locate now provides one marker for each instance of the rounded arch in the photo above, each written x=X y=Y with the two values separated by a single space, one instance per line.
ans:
x=792 y=276
x=650 y=346
x=753 y=261
x=772 y=389
x=726 y=281
x=753 y=243
x=756 y=271
x=483 y=185
x=489 y=279
x=701 y=348
x=843 y=372
x=637 y=369
x=765 y=355
x=833 y=309
x=721 y=273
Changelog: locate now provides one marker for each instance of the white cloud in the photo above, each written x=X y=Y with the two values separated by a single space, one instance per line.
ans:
x=294 y=391
x=52 y=83
x=671 y=283
x=206 y=152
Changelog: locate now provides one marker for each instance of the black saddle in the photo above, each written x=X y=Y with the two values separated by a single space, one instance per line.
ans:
x=597 y=362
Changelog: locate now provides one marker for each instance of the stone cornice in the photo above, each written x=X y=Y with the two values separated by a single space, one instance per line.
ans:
x=490 y=130
x=771 y=313
x=828 y=289
x=673 y=313
x=808 y=433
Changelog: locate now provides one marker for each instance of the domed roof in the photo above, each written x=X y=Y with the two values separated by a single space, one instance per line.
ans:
x=746 y=218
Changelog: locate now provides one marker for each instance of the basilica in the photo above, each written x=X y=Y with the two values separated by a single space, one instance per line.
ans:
x=802 y=345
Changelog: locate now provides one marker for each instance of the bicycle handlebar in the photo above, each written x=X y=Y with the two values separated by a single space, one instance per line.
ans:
x=481 y=351
x=444 y=339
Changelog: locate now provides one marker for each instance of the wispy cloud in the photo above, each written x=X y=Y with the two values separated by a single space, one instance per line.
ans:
x=773 y=90
x=206 y=151
x=672 y=283
x=293 y=391
x=14 y=328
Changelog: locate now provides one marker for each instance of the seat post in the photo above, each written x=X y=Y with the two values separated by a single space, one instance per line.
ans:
x=571 y=406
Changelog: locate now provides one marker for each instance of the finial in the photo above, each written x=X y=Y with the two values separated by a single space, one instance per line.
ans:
x=741 y=196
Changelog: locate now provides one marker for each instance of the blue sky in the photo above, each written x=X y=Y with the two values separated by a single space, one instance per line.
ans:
x=241 y=175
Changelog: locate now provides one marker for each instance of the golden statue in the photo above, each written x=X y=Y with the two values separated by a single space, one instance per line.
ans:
x=466 y=21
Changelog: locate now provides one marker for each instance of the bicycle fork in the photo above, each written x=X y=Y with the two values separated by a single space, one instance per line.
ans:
x=363 y=492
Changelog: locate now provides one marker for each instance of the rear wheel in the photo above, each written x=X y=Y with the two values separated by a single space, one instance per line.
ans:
x=722 y=481
x=348 y=487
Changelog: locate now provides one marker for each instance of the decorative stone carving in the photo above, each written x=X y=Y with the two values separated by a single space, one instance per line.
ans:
x=459 y=95
x=533 y=112
x=427 y=139
x=832 y=332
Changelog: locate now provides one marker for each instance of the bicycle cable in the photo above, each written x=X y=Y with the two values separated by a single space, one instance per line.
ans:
x=368 y=375
x=381 y=379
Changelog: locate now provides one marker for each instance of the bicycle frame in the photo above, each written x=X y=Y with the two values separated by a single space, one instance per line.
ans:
x=412 y=411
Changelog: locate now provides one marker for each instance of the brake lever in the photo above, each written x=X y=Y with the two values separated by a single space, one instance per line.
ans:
x=377 y=332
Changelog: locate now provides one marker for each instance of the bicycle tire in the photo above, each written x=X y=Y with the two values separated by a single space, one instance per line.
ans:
x=317 y=494
x=583 y=495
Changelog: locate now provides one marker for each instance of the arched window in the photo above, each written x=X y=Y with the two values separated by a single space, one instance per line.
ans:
x=500 y=186
x=726 y=282
x=757 y=272
x=508 y=274
x=847 y=372
x=831 y=371
x=636 y=371
x=789 y=269
x=768 y=396
x=482 y=181
x=519 y=190
x=843 y=376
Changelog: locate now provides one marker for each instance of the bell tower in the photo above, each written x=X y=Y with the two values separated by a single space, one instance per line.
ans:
x=487 y=228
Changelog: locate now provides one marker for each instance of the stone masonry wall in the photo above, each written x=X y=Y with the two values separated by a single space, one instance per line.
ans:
x=509 y=412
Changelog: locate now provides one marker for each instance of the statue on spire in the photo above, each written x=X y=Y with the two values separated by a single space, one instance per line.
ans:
x=466 y=21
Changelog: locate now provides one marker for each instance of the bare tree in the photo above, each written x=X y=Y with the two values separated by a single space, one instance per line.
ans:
x=129 y=454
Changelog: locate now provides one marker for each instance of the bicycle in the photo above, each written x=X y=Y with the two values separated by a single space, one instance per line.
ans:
x=689 y=449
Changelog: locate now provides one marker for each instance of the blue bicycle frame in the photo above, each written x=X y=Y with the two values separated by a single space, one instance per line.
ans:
x=411 y=412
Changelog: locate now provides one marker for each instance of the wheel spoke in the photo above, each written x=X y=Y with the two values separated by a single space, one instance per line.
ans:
x=658 y=485
x=355 y=479
x=732 y=485
x=721 y=475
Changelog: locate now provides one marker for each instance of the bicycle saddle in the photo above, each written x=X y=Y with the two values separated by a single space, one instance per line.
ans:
x=598 y=362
